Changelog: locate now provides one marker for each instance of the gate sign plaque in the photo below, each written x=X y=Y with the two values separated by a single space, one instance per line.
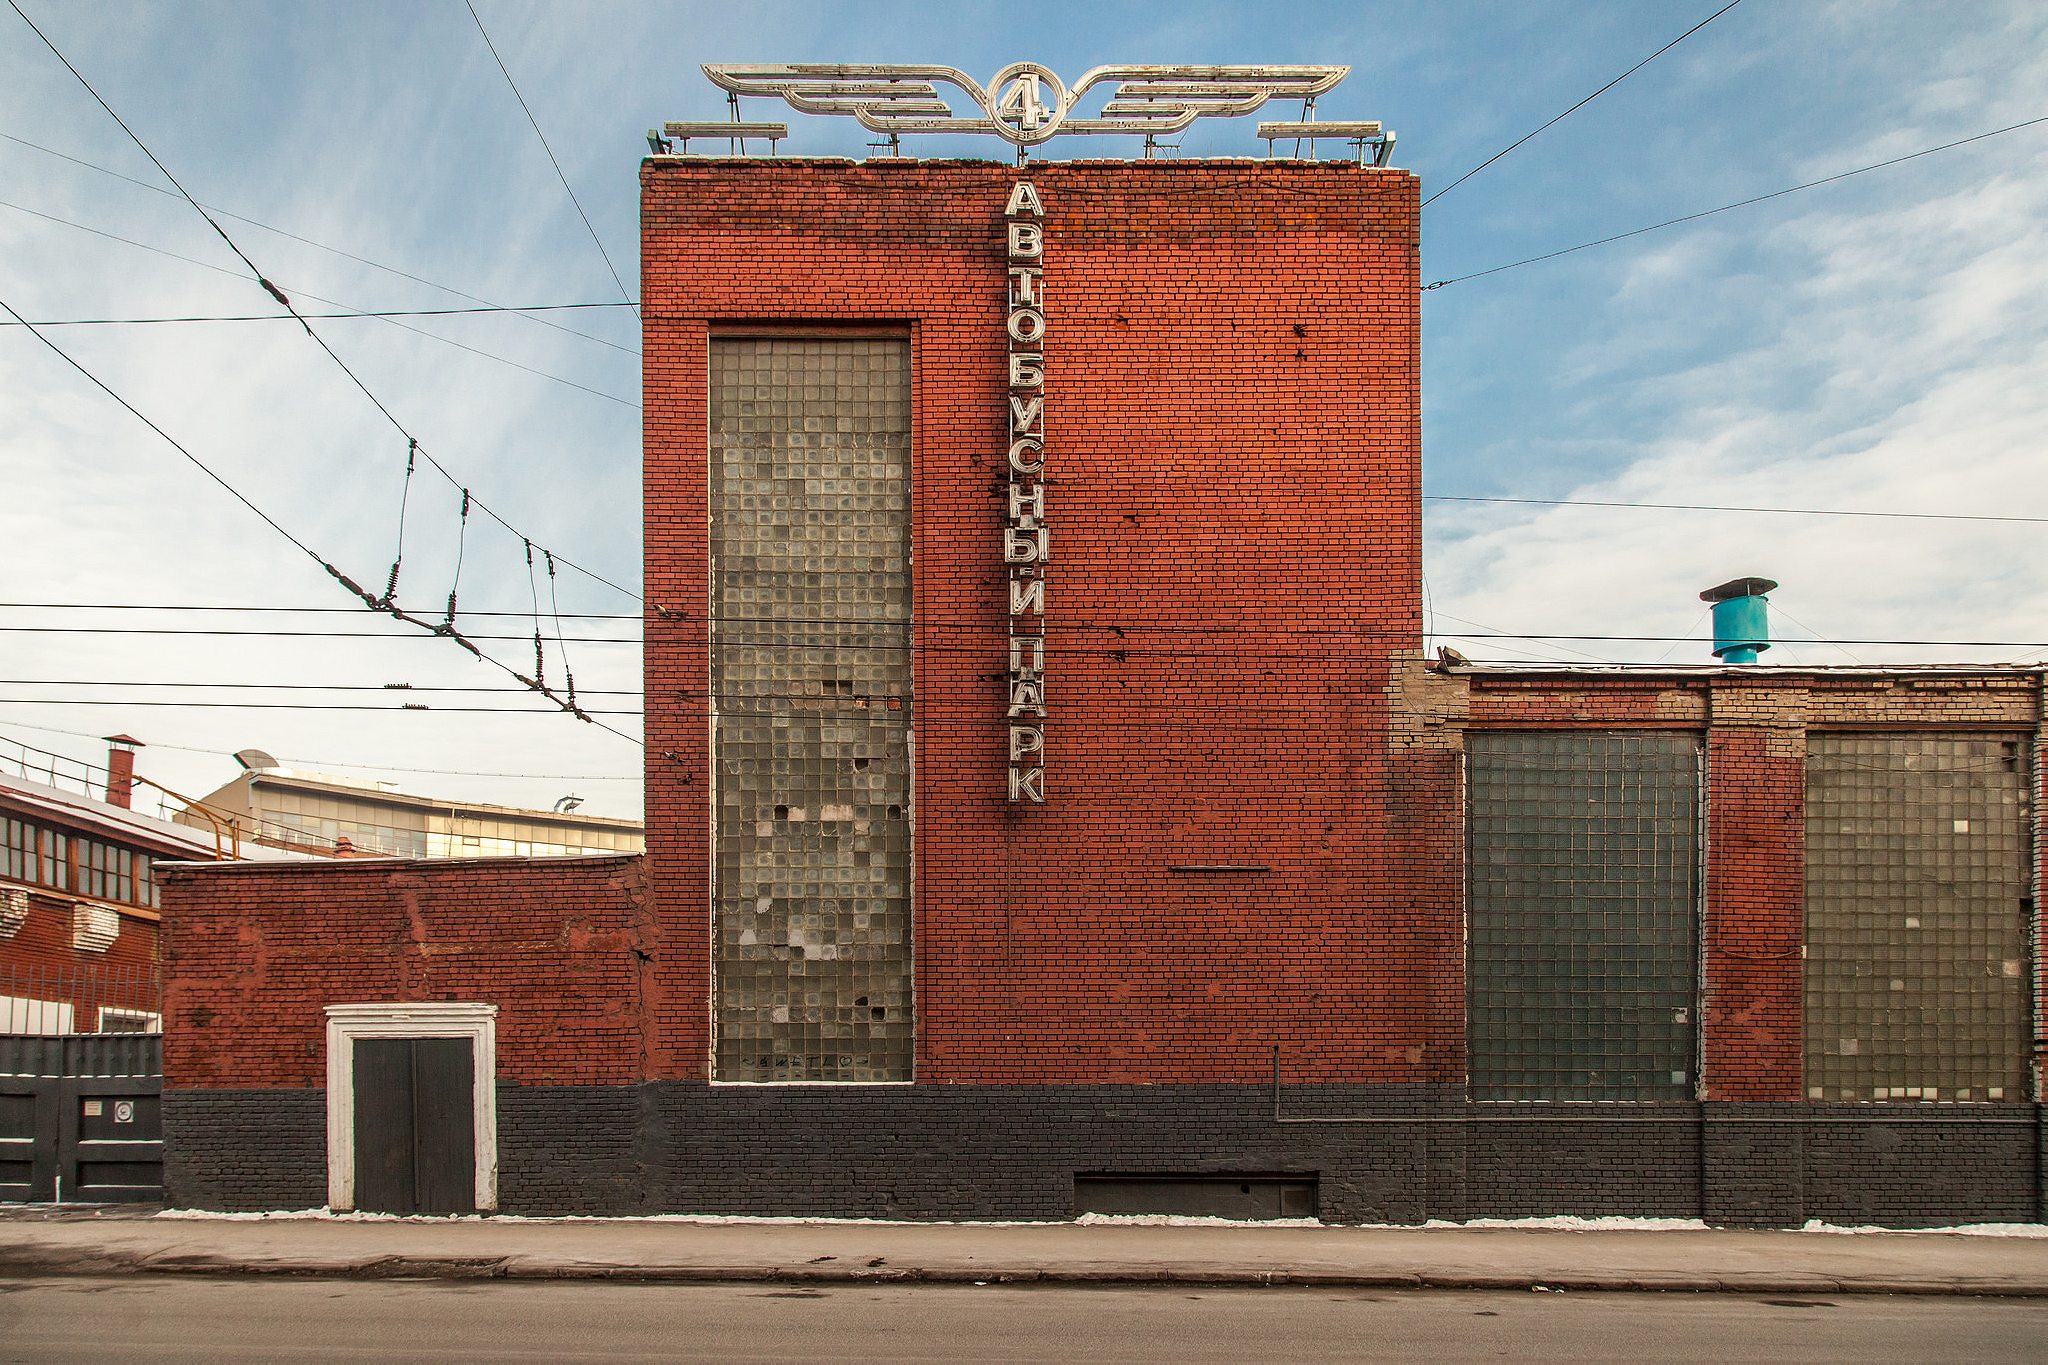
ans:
x=1025 y=102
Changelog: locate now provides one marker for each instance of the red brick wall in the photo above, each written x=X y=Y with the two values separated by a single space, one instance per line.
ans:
x=1756 y=916
x=253 y=952
x=1233 y=464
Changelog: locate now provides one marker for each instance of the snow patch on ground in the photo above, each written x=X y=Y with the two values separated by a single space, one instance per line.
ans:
x=1155 y=1220
x=1961 y=1230
x=1572 y=1223
x=329 y=1215
x=1560 y=1223
x=1180 y=1220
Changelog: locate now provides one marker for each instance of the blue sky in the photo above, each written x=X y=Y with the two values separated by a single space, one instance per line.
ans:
x=1881 y=343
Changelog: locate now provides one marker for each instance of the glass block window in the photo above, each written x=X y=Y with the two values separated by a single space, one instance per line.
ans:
x=1916 y=917
x=1582 y=960
x=810 y=671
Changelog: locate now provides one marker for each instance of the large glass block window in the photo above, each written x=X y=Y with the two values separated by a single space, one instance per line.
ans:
x=1916 y=917
x=1582 y=961
x=810 y=671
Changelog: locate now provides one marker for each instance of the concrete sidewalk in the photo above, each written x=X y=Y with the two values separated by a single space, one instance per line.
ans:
x=79 y=1242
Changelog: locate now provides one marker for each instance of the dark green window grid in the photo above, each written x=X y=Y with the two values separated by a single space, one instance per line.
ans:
x=1917 y=882
x=1582 y=868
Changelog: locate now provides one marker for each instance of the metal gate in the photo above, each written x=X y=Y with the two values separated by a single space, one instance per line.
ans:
x=81 y=1119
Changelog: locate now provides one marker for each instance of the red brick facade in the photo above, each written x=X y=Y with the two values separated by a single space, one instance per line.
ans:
x=1250 y=869
x=1235 y=664
x=258 y=950
x=1220 y=628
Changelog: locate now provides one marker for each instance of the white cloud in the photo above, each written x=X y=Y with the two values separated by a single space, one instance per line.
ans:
x=1921 y=321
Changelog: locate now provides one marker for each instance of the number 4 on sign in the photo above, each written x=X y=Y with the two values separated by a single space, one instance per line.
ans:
x=1020 y=106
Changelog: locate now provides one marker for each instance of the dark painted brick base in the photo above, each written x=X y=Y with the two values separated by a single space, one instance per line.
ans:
x=946 y=1152
x=245 y=1150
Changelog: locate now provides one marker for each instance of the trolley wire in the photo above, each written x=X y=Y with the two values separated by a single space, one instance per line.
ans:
x=285 y=302
x=386 y=606
x=1582 y=103
x=390 y=318
x=332 y=250
x=313 y=317
x=1368 y=642
x=1738 y=204
x=528 y=111
x=316 y=763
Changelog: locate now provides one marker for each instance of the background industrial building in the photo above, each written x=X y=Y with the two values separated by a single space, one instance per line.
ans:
x=276 y=805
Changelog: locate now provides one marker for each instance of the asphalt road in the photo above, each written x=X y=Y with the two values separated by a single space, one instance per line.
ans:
x=228 y=1319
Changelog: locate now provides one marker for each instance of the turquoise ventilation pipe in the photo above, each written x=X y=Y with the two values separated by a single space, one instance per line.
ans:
x=1742 y=626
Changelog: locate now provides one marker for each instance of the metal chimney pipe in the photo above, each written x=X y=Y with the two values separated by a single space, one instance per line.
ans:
x=121 y=770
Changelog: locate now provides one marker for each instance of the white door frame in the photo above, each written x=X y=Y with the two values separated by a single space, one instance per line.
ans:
x=417 y=1019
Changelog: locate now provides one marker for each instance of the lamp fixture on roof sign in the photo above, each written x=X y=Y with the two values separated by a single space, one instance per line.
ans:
x=1025 y=102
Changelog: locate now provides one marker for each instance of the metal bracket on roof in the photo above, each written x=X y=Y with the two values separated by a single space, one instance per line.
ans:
x=1025 y=102
x=1360 y=134
x=674 y=138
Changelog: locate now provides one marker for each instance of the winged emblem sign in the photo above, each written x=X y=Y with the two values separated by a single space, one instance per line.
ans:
x=1025 y=102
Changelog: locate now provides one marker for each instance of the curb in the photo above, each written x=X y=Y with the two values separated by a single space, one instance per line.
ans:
x=400 y=1267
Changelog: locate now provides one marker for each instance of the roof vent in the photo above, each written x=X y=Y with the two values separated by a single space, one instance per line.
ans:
x=1742 y=626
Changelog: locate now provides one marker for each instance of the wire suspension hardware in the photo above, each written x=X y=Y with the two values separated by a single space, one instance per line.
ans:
x=412 y=450
x=367 y=598
x=461 y=542
x=540 y=668
x=561 y=643
x=285 y=302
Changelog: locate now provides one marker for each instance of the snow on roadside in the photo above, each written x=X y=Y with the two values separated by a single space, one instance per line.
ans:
x=1557 y=1223
x=1188 y=1220
x=1573 y=1223
x=1960 y=1230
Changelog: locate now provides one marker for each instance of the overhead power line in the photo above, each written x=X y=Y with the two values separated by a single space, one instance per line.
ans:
x=323 y=246
x=328 y=611
x=1121 y=628
x=161 y=168
x=320 y=317
x=1232 y=638
x=1582 y=103
x=388 y=689
x=624 y=293
x=1738 y=204
x=284 y=301
x=283 y=634
x=315 y=763
x=315 y=706
x=1714 y=507
x=347 y=310
x=386 y=605
x=1207 y=726
x=389 y=319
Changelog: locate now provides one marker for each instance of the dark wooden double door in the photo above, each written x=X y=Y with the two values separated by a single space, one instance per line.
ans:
x=415 y=1125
